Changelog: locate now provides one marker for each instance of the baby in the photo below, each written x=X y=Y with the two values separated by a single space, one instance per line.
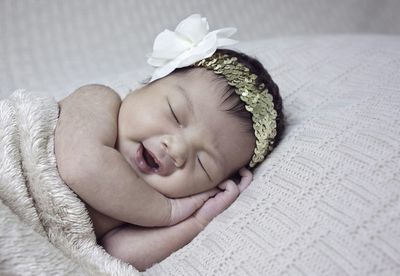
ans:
x=157 y=167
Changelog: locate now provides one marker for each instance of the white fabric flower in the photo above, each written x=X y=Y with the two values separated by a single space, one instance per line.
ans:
x=190 y=42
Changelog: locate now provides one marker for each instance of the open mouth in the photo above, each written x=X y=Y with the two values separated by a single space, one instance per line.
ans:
x=145 y=161
x=151 y=162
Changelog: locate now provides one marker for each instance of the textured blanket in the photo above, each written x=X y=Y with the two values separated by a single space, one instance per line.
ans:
x=45 y=228
x=325 y=202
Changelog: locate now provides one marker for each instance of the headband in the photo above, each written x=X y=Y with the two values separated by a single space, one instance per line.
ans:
x=192 y=45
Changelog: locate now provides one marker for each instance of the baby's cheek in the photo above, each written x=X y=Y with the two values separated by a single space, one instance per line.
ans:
x=181 y=183
x=202 y=183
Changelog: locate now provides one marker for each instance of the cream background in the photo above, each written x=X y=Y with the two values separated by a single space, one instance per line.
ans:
x=327 y=200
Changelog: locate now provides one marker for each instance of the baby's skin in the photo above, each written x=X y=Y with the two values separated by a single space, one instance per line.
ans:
x=153 y=169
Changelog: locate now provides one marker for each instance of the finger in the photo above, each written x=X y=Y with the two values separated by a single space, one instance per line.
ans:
x=213 y=192
x=206 y=194
x=247 y=177
x=245 y=172
x=228 y=196
x=227 y=185
x=230 y=188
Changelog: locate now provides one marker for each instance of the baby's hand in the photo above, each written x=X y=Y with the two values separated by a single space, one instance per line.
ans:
x=212 y=202
x=223 y=199
x=182 y=208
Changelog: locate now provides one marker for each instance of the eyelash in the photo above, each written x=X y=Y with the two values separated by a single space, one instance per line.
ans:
x=173 y=113
x=202 y=167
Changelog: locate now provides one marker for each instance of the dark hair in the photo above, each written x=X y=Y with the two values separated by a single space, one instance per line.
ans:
x=236 y=106
x=263 y=76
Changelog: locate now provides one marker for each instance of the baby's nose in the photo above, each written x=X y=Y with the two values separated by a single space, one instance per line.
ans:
x=176 y=148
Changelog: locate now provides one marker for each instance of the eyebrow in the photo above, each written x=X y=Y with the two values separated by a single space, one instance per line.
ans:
x=189 y=102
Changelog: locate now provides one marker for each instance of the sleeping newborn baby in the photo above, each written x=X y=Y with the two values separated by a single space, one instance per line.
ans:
x=157 y=167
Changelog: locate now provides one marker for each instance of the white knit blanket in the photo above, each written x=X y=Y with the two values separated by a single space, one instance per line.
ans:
x=325 y=202
x=327 y=199
x=45 y=229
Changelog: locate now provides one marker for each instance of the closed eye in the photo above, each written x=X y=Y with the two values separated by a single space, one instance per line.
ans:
x=173 y=113
x=204 y=169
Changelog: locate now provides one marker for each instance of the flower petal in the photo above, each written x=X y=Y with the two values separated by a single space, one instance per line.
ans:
x=193 y=28
x=203 y=50
x=225 y=42
x=156 y=62
x=163 y=71
x=190 y=43
x=223 y=35
x=168 y=45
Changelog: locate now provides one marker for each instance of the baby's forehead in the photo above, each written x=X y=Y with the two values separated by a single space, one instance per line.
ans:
x=218 y=94
x=202 y=80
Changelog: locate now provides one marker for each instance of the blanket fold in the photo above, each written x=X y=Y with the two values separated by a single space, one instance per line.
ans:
x=32 y=190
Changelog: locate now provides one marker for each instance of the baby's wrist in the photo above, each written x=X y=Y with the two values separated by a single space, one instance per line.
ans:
x=200 y=220
x=172 y=211
x=198 y=223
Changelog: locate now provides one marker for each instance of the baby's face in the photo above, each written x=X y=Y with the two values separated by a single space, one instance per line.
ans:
x=176 y=136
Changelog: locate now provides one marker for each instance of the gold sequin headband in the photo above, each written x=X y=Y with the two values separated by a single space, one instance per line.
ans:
x=257 y=102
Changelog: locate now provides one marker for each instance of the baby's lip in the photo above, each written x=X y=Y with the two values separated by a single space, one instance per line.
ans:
x=142 y=163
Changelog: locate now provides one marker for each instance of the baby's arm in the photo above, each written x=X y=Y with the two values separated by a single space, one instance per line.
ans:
x=87 y=161
x=142 y=247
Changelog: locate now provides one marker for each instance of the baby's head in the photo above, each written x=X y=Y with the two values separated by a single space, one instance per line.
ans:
x=188 y=131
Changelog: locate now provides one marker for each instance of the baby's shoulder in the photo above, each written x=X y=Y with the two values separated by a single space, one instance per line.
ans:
x=98 y=91
x=94 y=93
